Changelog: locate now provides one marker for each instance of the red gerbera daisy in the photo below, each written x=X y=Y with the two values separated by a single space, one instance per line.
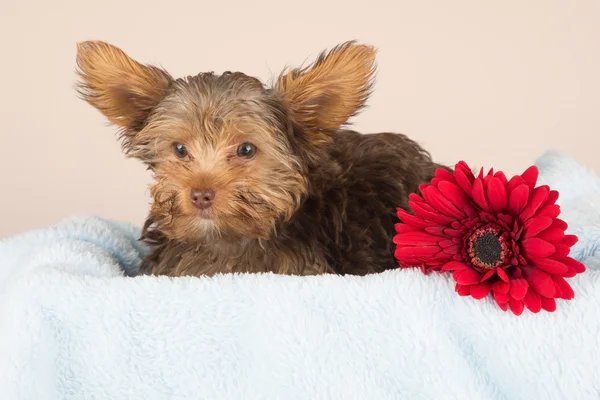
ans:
x=498 y=236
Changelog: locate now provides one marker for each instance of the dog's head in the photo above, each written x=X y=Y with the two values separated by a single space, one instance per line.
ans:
x=229 y=155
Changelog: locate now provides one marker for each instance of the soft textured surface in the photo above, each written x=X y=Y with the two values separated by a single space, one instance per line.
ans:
x=73 y=326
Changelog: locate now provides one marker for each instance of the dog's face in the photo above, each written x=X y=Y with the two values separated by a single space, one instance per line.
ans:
x=230 y=156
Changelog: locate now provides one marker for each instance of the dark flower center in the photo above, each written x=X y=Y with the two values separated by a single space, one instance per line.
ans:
x=487 y=247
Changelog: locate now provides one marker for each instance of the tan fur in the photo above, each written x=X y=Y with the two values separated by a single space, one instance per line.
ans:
x=326 y=94
x=124 y=90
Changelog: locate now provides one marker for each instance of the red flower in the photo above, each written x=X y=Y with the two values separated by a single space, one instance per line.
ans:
x=500 y=237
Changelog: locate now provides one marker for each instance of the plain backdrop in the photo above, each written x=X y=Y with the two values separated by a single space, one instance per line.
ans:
x=492 y=82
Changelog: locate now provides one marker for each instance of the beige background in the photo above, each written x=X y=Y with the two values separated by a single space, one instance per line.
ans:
x=491 y=82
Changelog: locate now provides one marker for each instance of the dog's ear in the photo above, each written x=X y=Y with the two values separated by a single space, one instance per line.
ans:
x=324 y=95
x=124 y=90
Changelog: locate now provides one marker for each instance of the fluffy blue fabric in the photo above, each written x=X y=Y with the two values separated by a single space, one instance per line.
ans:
x=74 y=324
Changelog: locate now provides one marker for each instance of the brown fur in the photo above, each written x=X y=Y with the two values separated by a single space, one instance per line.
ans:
x=314 y=199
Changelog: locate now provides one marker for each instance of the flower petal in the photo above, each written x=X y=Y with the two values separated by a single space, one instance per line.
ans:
x=446 y=243
x=463 y=166
x=415 y=254
x=536 y=200
x=501 y=287
x=500 y=175
x=552 y=235
x=496 y=195
x=501 y=297
x=420 y=209
x=518 y=288
x=561 y=251
x=517 y=199
x=548 y=304
x=558 y=294
x=454 y=266
x=574 y=266
x=434 y=197
x=452 y=250
x=514 y=182
x=423 y=204
x=503 y=306
x=453 y=233
x=569 y=240
x=559 y=224
x=466 y=277
x=464 y=177
x=551 y=210
x=413 y=220
x=532 y=301
x=489 y=273
x=436 y=230
x=540 y=281
x=552 y=197
x=404 y=228
x=537 y=248
x=415 y=197
x=444 y=175
x=471 y=210
x=416 y=238
x=550 y=266
x=479 y=195
x=463 y=290
x=516 y=306
x=505 y=219
x=502 y=274
x=535 y=225
x=530 y=176
x=453 y=193
x=480 y=291
x=566 y=291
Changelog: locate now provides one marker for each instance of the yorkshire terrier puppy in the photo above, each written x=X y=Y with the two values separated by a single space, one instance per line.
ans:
x=250 y=178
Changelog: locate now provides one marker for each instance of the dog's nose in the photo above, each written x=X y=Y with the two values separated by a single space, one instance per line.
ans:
x=202 y=198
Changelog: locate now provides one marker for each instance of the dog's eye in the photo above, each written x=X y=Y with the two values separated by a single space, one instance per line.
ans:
x=180 y=150
x=246 y=150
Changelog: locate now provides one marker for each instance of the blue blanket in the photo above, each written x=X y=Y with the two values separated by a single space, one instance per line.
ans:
x=76 y=324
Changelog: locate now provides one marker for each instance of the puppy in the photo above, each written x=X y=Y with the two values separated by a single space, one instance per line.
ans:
x=250 y=178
